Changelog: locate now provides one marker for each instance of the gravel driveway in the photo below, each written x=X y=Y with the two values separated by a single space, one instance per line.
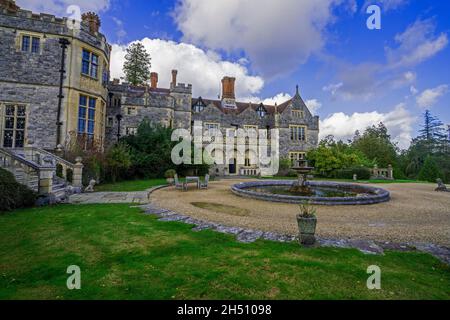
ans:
x=416 y=213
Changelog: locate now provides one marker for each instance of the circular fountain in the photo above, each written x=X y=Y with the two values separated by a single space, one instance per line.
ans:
x=314 y=192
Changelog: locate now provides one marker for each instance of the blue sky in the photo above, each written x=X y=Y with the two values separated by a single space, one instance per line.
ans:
x=351 y=76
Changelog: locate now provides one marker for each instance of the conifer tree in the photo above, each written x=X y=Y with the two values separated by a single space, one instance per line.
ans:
x=137 y=64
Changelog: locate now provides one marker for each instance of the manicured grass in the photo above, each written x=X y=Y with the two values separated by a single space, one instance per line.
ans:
x=124 y=254
x=130 y=185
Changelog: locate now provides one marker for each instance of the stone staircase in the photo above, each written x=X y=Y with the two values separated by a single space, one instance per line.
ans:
x=36 y=168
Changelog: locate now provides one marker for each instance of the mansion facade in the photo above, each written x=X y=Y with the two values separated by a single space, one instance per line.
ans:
x=55 y=90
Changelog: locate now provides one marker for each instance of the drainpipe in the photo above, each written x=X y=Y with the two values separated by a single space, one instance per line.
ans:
x=64 y=43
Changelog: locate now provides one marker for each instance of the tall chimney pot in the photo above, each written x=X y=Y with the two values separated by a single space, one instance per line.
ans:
x=154 y=80
x=228 y=88
x=93 y=21
x=174 y=78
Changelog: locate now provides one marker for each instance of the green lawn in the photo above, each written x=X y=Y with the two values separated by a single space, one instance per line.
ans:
x=124 y=254
x=130 y=185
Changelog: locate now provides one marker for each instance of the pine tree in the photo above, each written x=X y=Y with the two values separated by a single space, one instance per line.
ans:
x=432 y=129
x=137 y=64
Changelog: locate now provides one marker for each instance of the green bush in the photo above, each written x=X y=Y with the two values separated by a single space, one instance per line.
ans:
x=170 y=174
x=430 y=171
x=361 y=172
x=14 y=195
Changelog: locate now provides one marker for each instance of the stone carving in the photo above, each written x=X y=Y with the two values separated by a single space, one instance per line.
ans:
x=90 y=187
x=441 y=186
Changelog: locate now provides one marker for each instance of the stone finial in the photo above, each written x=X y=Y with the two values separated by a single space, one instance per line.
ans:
x=441 y=186
x=9 y=5
x=78 y=160
x=93 y=20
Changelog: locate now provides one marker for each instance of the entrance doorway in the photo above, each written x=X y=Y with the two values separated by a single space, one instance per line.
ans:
x=232 y=166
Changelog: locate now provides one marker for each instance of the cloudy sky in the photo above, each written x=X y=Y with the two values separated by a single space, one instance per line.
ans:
x=350 y=76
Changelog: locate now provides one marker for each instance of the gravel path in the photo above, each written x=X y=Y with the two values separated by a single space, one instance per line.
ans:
x=416 y=213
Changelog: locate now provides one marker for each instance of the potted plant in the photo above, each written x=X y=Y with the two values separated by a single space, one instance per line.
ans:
x=307 y=222
x=170 y=175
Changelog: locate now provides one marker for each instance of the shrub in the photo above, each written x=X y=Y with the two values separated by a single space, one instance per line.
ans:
x=430 y=171
x=13 y=195
x=118 y=161
x=170 y=174
x=361 y=172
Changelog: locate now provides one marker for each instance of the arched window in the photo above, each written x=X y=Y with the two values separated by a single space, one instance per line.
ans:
x=261 y=111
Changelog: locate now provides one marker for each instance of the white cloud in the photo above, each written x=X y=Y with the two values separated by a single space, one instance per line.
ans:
x=313 y=105
x=59 y=7
x=387 y=5
x=277 y=36
x=429 y=97
x=413 y=90
x=203 y=69
x=278 y=99
x=416 y=44
x=399 y=123
x=120 y=33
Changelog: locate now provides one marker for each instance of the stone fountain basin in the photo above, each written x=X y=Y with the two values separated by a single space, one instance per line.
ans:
x=370 y=195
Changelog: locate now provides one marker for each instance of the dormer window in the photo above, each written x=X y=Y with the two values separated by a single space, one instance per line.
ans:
x=261 y=111
x=199 y=106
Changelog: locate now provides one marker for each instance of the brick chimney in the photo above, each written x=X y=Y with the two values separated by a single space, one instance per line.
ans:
x=174 y=78
x=9 y=5
x=154 y=80
x=228 y=88
x=93 y=20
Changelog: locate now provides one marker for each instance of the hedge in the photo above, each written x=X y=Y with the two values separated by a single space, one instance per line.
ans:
x=361 y=172
x=14 y=195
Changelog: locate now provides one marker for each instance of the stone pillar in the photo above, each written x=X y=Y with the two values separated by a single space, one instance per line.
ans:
x=77 y=181
x=46 y=180
x=390 y=172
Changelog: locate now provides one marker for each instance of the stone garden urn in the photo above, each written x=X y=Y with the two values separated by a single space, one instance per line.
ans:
x=307 y=222
x=307 y=229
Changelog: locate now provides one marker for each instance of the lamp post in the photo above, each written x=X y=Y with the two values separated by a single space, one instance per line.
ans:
x=64 y=44
x=119 y=119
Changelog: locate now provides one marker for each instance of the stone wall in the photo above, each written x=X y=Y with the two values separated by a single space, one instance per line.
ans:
x=33 y=78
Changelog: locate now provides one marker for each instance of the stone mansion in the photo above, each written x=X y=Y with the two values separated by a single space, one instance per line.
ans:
x=55 y=90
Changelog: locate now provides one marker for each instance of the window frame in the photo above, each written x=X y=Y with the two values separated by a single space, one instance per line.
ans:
x=294 y=133
x=296 y=156
x=298 y=114
x=89 y=62
x=89 y=119
x=30 y=47
x=14 y=129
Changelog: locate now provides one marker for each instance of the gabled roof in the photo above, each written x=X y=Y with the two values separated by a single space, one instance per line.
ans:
x=241 y=106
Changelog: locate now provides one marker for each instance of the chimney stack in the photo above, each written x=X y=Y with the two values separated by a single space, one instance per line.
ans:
x=174 y=78
x=93 y=21
x=9 y=5
x=228 y=88
x=154 y=80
